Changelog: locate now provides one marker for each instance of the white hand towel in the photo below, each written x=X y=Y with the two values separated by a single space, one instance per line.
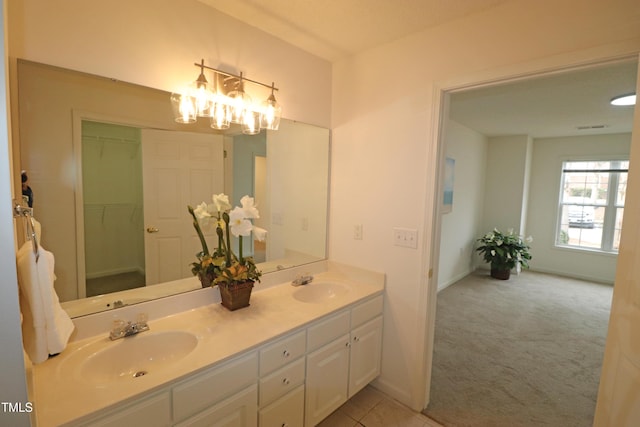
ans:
x=46 y=327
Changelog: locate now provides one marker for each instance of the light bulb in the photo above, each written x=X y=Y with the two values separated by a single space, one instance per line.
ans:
x=184 y=108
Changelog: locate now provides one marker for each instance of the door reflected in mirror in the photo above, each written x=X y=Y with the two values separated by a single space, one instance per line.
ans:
x=87 y=144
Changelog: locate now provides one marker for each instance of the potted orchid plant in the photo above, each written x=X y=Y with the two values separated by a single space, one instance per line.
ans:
x=234 y=274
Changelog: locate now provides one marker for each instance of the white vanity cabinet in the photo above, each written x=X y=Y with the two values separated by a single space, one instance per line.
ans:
x=347 y=358
x=295 y=380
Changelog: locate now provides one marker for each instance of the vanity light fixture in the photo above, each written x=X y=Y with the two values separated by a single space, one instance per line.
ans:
x=624 y=100
x=225 y=101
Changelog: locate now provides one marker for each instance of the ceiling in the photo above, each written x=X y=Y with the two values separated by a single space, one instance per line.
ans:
x=572 y=103
x=335 y=29
x=565 y=104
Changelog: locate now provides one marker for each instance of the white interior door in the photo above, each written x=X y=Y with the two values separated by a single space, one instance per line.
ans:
x=619 y=393
x=179 y=169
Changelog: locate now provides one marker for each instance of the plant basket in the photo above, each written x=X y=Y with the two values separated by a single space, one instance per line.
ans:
x=500 y=273
x=235 y=295
x=206 y=278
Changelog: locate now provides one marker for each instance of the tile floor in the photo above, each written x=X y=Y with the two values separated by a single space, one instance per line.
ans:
x=372 y=408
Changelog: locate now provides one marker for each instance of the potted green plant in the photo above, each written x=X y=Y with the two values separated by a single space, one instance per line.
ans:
x=234 y=274
x=504 y=251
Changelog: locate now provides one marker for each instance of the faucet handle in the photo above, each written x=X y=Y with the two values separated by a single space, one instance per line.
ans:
x=142 y=318
x=118 y=325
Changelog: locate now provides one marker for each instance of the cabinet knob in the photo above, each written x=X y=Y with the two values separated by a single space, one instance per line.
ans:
x=285 y=425
x=152 y=229
x=356 y=339
x=286 y=381
x=286 y=353
x=348 y=344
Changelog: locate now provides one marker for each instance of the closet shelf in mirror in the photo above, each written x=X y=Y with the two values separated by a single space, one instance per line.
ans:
x=129 y=144
x=116 y=208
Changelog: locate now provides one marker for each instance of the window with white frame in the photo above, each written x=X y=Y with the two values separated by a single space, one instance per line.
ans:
x=592 y=197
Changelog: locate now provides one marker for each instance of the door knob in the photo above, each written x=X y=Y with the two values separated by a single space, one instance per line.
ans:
x=152 y=230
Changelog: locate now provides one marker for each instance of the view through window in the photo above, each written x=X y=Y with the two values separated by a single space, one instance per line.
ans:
x=592 y=197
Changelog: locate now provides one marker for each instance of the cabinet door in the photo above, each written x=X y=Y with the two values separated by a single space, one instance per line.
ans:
x=327 y=380
x=365 y=358
x=147 y=412
x=240 y=410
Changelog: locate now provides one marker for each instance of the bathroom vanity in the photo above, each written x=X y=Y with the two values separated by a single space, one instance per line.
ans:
x=289 y=359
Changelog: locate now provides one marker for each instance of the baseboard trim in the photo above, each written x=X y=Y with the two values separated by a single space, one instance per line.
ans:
x=602 y=280
x=454 y=279
x=393 y=391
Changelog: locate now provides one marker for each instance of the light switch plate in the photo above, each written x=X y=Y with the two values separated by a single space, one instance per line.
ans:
x=357 y=232
x=405 y=237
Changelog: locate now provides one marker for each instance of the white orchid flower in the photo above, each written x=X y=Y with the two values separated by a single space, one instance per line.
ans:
x=249 y=207
x=203 y=213
x=259 y=233
x=221 y=202
x=238 y=224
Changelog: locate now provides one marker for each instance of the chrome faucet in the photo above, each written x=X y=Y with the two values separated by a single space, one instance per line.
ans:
x=303 y=279
x=122 y=330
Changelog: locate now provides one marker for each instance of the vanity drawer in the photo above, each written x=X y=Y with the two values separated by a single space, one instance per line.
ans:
x=366 y=311
x=281 y=382
x=282 y=352
x=241 y=409
x=210 y=387
x=327 y=330
x=287 y=411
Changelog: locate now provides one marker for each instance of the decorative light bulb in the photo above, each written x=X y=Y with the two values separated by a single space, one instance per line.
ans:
x=184 y=108
x=271 y=112
x=219 y=115
x=251 y=122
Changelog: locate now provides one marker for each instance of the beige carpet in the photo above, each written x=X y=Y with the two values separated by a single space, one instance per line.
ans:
x=518 y=353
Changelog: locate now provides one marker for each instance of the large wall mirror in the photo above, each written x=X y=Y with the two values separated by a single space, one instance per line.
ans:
x=112 y=175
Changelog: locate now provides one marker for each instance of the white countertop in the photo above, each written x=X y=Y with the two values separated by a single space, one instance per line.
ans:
x=61 y=396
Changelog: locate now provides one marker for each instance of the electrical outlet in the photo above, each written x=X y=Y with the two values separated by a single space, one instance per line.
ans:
x=405 y=237
x=357 y=232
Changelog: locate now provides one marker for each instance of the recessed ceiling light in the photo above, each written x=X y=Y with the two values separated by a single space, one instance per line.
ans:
x=623 y=100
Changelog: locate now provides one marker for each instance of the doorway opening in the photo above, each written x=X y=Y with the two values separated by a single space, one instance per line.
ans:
x=521 y=127
x=112 y=207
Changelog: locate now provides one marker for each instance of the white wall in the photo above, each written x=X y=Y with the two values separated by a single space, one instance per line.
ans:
x=506 y=177
x=548 y=154
x=395 y=185
x=462 y=226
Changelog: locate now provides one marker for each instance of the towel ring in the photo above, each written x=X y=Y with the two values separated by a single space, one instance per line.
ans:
x=21 y=211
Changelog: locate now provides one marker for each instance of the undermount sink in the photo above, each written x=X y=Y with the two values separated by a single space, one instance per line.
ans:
x=135 y=356
x=320 y=292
